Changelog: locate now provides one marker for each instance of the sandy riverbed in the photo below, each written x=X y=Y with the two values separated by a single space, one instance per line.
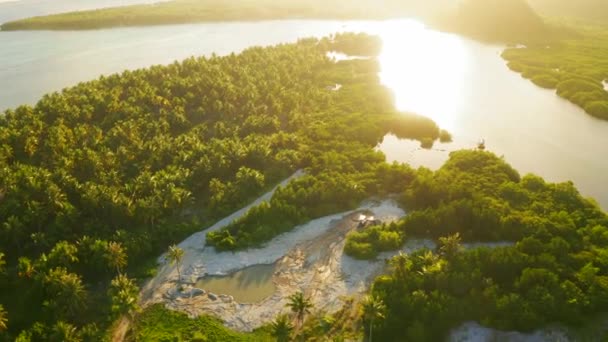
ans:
x=310 y=259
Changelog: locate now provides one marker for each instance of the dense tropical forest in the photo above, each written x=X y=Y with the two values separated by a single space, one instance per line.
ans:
x=102 y=177
x=554 y=271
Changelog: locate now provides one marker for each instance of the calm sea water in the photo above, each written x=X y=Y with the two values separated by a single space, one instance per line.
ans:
x=462 y=84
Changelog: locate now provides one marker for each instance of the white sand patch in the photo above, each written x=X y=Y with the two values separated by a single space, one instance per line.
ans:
x=310 y=259
x=338 y=56
x=474 y=332
x=605 y=84
x=335 y=87
x=194 y=246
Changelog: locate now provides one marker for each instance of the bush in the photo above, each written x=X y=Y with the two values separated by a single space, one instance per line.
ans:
x=571 y=87
x=445 y=136
x=545 y=81
x=413 y=126
x=366 y=244
x=388 y=241
x=427 y=143
x=598 y=109
x=360 y=250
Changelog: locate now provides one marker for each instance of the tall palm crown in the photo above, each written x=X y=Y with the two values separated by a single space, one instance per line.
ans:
x=282 y=328
x=176 y=255
x=2 y=262
x=373 y=310
x=299 y=305
x=117 y=256
x=67 y=291
x=3 y=319
x=449 y=246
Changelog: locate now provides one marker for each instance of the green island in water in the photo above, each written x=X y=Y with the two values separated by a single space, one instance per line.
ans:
x=99 y=179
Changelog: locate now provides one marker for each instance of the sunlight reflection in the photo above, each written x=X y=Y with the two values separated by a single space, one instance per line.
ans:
x=425 y=69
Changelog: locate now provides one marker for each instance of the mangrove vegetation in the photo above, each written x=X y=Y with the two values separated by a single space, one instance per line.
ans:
x=576 y=68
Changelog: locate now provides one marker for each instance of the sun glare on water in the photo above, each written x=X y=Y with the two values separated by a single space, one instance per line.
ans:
x=425 y=69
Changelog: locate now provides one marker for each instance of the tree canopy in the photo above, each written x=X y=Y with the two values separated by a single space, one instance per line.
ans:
x=554 y=271
x=119 y=168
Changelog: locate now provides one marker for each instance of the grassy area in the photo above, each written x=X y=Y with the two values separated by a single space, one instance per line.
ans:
x=159 y=324
x=575 y=67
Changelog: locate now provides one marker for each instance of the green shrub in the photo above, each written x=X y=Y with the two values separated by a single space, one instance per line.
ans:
x=572 y=86
x=159 y=324
x=445 y=136
x=360 y=250
x=545 y=81
x=427 y=143
x=367 y=243
x=388 y=241
x=598 y=109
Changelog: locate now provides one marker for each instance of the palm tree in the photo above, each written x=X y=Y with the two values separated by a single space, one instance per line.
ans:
x=116 y=255
x=401 y=264
x=299 y=305
x=449 y=246
x=3 y=319
x=123 y=292
x=373 y=309
x=67 y=292
x=65 y=332
x=176 y=255
x=2 y=262
x=282 y=328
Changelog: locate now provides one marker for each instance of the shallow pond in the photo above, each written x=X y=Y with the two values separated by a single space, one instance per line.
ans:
x=249 y=285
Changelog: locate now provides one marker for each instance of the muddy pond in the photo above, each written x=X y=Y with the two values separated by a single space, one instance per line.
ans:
x=249 y=285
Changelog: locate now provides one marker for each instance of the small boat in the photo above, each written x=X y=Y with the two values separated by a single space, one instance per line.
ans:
x=481 y=145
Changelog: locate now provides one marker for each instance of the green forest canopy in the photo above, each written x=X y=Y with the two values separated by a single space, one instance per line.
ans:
x=556 y=271
x=117 y=169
